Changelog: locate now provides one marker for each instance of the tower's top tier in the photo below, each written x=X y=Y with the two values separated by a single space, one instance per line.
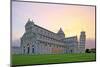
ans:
x=83 y=33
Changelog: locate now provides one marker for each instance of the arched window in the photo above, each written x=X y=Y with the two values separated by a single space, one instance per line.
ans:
x=32 y=50
x=28 y=50
x=28 y=45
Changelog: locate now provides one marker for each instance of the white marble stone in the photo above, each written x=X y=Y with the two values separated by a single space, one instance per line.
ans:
x=48 y=42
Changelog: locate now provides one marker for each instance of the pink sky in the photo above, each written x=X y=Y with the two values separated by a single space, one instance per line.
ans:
x=71 y=18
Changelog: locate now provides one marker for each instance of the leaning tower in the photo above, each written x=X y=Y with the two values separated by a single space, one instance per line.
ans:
x=82 y=42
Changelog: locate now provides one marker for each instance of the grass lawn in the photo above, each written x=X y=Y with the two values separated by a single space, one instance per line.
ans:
x=55 y=58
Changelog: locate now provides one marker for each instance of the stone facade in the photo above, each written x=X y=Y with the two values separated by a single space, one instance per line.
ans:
x=37 y=40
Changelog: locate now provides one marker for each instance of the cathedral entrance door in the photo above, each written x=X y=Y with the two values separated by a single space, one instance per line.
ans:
x=71 y=51
x=28 y=50
x=32 y=50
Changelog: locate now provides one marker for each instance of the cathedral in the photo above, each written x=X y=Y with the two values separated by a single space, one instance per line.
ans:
x=37 y=40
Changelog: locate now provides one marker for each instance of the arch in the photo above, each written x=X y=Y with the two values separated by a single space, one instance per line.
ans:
x=71 y=51
x=28 y=50
x=32 y=50
x=24 y=49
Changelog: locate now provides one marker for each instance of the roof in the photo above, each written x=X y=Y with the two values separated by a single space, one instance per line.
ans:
x=71 y=37
x=44 y=29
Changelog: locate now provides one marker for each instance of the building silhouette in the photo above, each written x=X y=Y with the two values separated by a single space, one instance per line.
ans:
x=37 y=40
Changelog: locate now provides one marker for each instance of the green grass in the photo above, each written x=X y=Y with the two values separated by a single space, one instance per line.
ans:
x=55 y=58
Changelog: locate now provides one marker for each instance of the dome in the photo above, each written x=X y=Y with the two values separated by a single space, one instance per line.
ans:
x=61 y=34
x=60 y=31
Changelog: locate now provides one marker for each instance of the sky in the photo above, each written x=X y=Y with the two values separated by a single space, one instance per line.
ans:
x=71 y=18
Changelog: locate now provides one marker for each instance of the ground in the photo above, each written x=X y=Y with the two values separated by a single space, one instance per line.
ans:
x=55 y=58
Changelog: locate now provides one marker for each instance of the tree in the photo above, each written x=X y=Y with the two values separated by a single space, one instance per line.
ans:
x=87 y=50
x=93 y=50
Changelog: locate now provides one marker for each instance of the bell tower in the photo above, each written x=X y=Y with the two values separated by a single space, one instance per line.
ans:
x=82 y=42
